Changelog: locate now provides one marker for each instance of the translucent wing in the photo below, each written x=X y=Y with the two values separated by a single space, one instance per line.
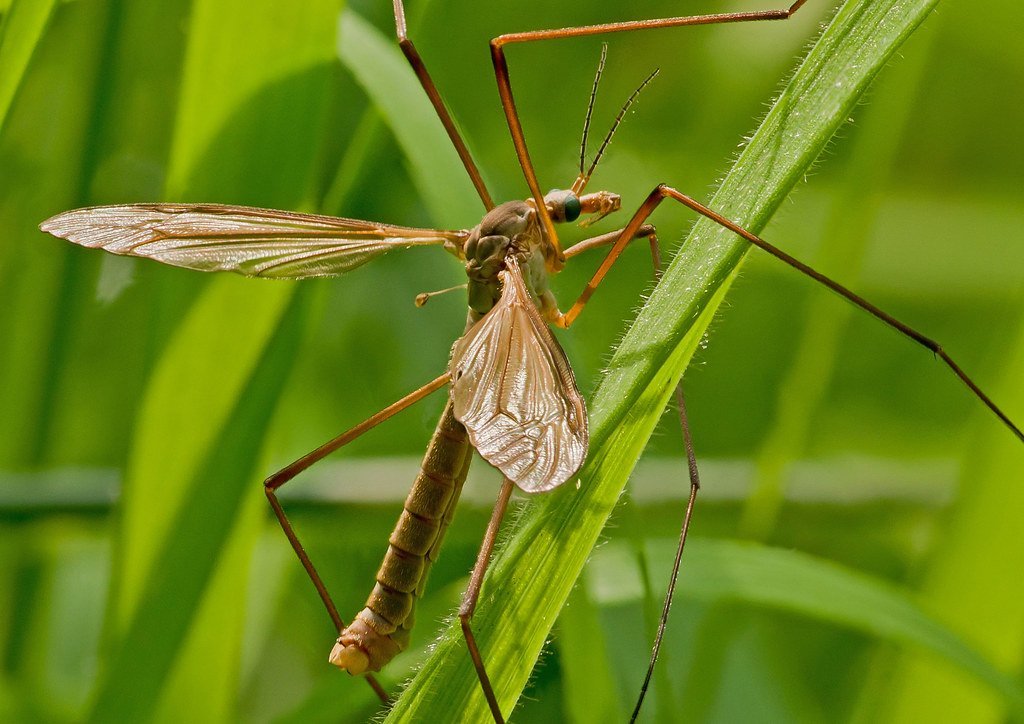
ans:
x=513 y=389
x=250 y=241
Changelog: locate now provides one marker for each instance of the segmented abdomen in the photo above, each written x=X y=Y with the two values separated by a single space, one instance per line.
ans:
x=381 y=630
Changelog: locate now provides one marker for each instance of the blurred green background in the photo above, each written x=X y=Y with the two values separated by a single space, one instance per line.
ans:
x=141 y=576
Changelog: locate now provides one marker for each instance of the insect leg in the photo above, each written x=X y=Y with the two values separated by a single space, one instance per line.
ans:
x=648 y=232
x=644 y=232
x=472 y=594
x=684 y=528
x=508 y=103
x=278 y=479
x=409 y=50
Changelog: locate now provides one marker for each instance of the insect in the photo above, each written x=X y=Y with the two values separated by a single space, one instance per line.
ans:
x=328 y=233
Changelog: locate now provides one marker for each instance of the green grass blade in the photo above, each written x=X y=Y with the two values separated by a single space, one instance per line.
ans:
x=751 y=573
x=20 y=31
x=590 y=692
x=185 y=558
x=39 y=288
x=253 y=78
x=387 y=79
x=533 y=574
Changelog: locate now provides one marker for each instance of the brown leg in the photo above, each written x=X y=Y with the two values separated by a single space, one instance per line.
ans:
x=472 y=594
x=691 y=460
x=275 y=481
x=505 y=84
x=684 y=529
x=647 y=231
x=435 y=99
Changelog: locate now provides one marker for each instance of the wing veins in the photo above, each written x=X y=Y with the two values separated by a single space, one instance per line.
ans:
x=327 y=253
x=246 y=240
x=525 y=416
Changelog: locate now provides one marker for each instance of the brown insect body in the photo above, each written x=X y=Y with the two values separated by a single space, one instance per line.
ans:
x=510 y=230
x=513 y=396
x=507 y=262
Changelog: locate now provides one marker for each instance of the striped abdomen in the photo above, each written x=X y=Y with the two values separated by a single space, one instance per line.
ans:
x=381 y=630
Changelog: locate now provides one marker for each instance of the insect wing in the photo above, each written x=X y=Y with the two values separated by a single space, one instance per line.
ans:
x=250 y=241
x=514 y=391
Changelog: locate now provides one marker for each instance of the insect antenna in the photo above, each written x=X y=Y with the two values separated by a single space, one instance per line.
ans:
x=590 y=112
x=584 y=178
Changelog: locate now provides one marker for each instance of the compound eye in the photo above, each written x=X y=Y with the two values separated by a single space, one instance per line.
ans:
x=572 y=207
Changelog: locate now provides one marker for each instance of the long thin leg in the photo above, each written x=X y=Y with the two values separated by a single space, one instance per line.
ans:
x=472 y=594
x=275 y=481
x=648 y=231
x=663 y=192
x=644 y=232
x=684 y=529
x=409 y=50
x=508 y=103
x=691 y=460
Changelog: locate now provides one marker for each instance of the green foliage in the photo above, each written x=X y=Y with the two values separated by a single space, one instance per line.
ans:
x=23 y=24
x=141 y=577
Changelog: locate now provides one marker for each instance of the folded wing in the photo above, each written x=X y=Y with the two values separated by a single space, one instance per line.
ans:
x=250 y=241
x=514 y=390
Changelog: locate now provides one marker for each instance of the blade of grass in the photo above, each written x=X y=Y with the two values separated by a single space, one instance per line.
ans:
x=184 y=561
x=384 y=74
x=534 y=572
x=252 y=94
x=37 y=286
x=20 y=30
x=215 y=129
x=793 y=581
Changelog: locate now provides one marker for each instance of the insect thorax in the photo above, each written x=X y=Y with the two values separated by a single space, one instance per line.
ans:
x=510 y=230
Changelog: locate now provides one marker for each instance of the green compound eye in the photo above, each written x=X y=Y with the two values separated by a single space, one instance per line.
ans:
x=572 y=207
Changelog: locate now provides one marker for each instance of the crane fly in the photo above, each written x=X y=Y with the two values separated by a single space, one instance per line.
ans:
x=512 y=394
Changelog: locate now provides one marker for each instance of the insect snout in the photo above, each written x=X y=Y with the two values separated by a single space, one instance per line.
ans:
x=599 y=204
